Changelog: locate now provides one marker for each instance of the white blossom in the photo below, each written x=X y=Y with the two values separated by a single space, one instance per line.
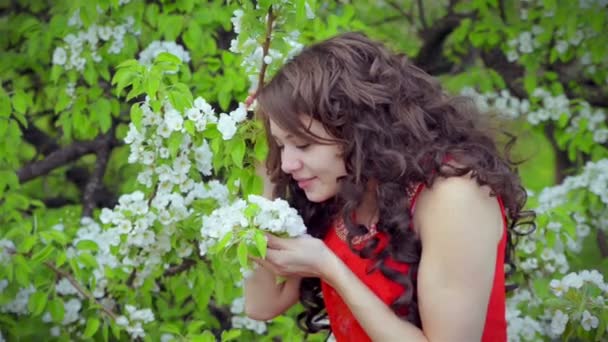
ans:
x=589 y=321
x=227 y=126
x=239 y=114
x=64 y=287
x=60 y=57
x=204 y=158
x=147 y=56
x=7 y=249
x=558 y=323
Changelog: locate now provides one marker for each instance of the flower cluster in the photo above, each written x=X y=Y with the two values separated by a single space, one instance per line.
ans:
x=529 y=41
x=577 y=280
x=134 y=320
x=277 y=217
x=240 y=321
x=18 y=305
x=545 y=107
x=592 y=304
x=272 y=216
x=86 y=43
x=593 y=178
x=522 y=327
x=147 y=56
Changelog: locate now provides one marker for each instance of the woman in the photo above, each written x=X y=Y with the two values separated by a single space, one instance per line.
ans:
x=407 y=202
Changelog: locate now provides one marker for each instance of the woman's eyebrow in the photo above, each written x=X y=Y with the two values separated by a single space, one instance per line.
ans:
x=288 y=136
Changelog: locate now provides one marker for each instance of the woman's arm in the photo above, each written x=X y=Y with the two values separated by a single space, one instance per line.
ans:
x=265 y=298
x=460 y=226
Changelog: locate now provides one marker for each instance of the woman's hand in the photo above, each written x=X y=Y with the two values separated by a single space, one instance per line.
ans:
x=303 y=256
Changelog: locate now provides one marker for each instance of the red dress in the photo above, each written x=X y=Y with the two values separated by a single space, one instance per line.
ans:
x=345 y=326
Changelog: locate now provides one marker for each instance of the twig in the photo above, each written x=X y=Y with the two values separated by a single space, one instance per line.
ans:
x=80 y=289
x=501 y=10
x=408 y=16
x=184 y=266
x=602 y=243
x=421 y=14
x=266 y=47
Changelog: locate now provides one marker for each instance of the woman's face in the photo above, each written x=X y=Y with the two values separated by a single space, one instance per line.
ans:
x=315 y=167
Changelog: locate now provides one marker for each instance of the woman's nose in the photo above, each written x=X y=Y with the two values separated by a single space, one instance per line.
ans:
x=290 y=162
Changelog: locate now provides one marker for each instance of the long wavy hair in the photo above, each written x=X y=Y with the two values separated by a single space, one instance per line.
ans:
x=396 y=127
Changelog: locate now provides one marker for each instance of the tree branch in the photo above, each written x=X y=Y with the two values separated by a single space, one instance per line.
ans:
x=61 y=157
x=95 y=182
x=35 y=136
x=430 y=57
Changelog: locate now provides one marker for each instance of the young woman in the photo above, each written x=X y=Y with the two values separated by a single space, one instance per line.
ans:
x=408 y=204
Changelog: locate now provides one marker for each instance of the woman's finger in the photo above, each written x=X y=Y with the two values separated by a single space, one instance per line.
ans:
x=276 y=242
x=267 y=265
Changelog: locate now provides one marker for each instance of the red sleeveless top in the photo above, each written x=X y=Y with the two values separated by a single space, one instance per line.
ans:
x=344 y=325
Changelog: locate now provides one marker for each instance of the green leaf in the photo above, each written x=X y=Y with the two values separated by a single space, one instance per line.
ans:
x=223 y=242
x=56 y=72
x=21 y=100
x=90 y=74
x=43 y=254
x=57 y=309
x=180 y=97
x=87 y=259
x=195 y=326
x=229 y=335
x=54 y=235
x=260 y=242
x=87 y=245
x=260 y=150
x=37 y=303
x=167 y=58
x=26 y=245
x=171 y=26
x=63 y=101
x=136 y=116
x=190 y=127
x=207 y=336
x=241 y=253
x=171 y=328
x=129 y=63
x=174 y=143
x=153 y=82
x=103 y=108
x=238 y=152
x=22 y=270
x=192 y=37
x=5 y=104
x=91 y=327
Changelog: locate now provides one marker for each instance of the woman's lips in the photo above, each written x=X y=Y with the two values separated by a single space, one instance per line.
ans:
x=305 y=183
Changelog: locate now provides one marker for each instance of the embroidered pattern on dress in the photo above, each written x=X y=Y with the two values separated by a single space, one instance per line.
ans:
x=342 y=231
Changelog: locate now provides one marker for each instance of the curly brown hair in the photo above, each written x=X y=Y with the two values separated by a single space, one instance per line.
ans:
x=396 y=126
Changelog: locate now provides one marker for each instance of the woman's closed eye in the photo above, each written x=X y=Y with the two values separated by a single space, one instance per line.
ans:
x=300 y=147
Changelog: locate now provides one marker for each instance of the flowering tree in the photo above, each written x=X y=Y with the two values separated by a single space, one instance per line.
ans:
x=130 y=207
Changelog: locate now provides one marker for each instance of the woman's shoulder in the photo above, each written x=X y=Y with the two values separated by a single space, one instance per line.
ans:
x=457 y=202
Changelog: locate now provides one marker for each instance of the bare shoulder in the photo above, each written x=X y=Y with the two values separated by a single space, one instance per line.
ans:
x=458 y=203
